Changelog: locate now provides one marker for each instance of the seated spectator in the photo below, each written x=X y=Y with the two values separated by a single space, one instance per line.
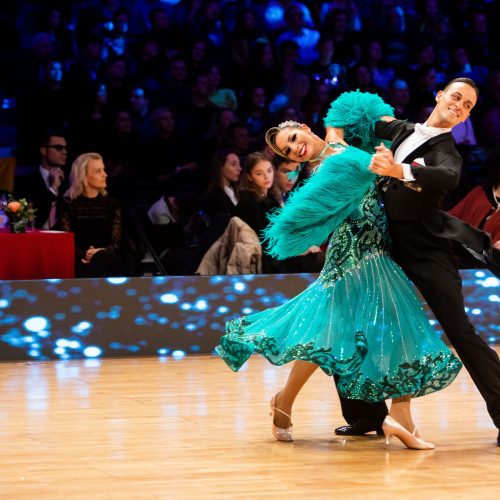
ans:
x=95 y=219
x=139 y=107
x=258 y=198
x=381 y=74
x=461 y=67
x=283 y=182
x=399 y=99
x=481 y=207
x=425 y=86
x=168 y=154
x=296 y=30
x=238 y=138
x=169 y=217
x=254 y=113
x=42 y=186
x=216 y=137
x=222 y=195
x=490 y=124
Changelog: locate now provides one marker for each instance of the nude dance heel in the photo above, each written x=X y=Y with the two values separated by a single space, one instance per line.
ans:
x=279 y=433
x=392 y=428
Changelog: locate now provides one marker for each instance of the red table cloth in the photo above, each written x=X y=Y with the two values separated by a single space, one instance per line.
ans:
x=36 y=255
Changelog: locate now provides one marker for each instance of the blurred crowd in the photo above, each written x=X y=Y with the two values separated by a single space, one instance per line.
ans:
x=174 y=98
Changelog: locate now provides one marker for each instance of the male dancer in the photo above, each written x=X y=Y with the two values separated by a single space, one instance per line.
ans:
x=421 y=167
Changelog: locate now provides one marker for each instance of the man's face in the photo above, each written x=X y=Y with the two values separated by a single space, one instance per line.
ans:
x=123 y=122
x=55 y=152
x=455 y=103
x=166 y=121
x=284 y=183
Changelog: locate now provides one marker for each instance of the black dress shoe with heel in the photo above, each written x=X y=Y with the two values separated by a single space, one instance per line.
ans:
x=498 y=439
x=360 y=428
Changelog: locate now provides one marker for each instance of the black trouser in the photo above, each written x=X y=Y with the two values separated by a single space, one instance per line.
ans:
x=354 y=409
x=429 y=262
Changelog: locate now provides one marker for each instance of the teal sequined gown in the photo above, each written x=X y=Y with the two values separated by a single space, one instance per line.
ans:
x=361 y=318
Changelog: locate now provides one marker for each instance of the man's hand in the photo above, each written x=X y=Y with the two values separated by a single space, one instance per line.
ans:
x=56 y=176
x=383 y=163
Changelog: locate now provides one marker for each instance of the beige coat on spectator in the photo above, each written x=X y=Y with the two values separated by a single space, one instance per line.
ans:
x=237 y=251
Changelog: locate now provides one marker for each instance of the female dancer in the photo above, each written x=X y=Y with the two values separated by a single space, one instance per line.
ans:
x=361 y=319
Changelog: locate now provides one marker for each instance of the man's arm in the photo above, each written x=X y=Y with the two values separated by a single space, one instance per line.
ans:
x=444 y=173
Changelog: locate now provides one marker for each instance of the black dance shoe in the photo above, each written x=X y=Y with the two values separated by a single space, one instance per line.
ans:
x=359 y=428
x=498 y=439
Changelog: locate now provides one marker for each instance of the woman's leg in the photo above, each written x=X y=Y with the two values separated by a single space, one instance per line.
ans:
x=299 y=375
x=401 y=412
x=400 y=424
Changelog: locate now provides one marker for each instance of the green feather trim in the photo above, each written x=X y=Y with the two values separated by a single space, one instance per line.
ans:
x=357 y=113
x=320 y=205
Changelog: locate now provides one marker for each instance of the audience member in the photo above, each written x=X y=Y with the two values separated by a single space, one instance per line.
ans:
x=399 y=99
x=43 y=186
x=95 y=219
x=258 y=198
x=481 y=207
x=222 y=195
x=284 y=182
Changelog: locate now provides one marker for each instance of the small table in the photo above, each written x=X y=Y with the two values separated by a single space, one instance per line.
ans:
x=36 y=255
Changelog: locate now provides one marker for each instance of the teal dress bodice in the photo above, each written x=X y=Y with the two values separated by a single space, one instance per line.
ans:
x=363 y=235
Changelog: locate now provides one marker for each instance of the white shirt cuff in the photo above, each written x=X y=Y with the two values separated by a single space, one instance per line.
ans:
x=407 y=174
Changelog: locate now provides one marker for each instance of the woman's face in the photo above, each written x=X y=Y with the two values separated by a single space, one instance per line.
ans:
x=96 y=175
x=262 y=174
x=297 y=144
x=231 y=169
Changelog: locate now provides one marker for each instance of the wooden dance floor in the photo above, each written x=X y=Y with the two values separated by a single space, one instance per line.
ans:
x=180 y=429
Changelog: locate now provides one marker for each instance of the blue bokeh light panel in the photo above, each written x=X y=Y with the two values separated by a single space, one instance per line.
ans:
x=165 y=316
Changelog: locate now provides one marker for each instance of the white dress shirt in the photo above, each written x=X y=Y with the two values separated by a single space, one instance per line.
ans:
x=231 y=194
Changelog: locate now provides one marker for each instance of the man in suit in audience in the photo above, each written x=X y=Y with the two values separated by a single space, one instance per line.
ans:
x=43 y=186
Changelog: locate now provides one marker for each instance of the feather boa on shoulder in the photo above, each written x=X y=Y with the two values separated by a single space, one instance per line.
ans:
x=320 y=205
x=357 y=113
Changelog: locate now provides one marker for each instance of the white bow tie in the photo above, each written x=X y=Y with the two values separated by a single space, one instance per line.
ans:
x=421 y=129
x=426 y=131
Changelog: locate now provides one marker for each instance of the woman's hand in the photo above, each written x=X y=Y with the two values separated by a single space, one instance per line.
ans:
x=90 y=253
x=335 y=135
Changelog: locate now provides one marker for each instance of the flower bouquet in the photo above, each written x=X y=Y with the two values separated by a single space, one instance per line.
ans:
x=20 y=213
